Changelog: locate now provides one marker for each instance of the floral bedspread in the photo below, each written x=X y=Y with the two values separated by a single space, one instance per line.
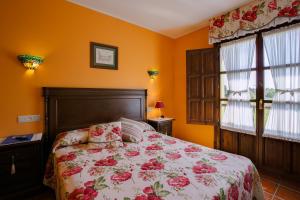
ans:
x=158 y=168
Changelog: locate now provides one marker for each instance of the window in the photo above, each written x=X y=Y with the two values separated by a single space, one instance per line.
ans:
x=238 y=85
x=282 y=83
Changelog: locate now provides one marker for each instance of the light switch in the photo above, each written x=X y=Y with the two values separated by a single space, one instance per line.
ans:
x=149 y=109
x=28 y=118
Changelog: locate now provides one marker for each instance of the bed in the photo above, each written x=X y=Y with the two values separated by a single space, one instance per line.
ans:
x=158 y=167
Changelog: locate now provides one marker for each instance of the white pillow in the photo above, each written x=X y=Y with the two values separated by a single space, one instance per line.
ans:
x=142 y=125
x=148 y=127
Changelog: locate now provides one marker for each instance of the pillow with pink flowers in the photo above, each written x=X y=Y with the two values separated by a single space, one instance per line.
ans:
x=68 y=138
x=106 y=132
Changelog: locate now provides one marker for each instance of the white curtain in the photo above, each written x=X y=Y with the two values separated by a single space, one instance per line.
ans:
x=238 y=57
x=282 y=50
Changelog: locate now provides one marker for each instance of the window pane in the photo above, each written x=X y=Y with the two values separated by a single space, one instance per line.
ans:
x=279 y=48
x=266 y=60
x=243 y=57
x=268 y=85
x=253 y=106
x=223 y=105
x=282 y=54
x=252 y=85
x=222 y=108
x=224 y=88
x=238 y=85
x=267 y=109
x=222 y=67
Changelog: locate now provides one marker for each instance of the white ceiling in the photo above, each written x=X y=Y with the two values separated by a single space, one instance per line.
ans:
x=173 y=18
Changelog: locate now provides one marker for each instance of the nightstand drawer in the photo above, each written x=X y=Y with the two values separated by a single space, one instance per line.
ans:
x=165 y=128
x=5 y=168
x=27 y=163
x=27 y=152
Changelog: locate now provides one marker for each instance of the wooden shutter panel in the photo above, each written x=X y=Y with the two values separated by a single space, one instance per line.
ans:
x=202 y=86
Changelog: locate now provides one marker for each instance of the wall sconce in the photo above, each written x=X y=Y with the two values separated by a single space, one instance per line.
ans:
x=30 y=62
x=153 y=73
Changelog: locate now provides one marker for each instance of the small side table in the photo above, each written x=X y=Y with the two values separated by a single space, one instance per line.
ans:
x=21 y=167
x=162 y=125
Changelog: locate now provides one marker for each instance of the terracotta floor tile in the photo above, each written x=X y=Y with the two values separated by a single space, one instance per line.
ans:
x=292 y=185
x=268 y=196
x=270 y=177
x=269 y=186
x=287 y=194
x=277 y=198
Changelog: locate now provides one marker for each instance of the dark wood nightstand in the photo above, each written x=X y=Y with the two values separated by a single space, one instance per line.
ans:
x=162 y=125
x=27 y=159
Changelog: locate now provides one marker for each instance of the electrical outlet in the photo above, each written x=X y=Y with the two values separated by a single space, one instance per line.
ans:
x=28 y=118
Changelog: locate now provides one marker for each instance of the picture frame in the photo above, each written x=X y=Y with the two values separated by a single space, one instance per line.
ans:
x=103 y=56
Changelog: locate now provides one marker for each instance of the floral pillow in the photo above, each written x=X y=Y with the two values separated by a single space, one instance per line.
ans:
x=106 y=132
x=131 y=132
x=68 y=138
x=95 y=147
x=142 y=125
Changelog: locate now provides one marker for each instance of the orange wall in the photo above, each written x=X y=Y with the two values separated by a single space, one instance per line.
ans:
x=196 y=133
x=61 y=31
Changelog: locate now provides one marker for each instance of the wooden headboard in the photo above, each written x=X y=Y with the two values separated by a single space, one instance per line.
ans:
x=73 y=108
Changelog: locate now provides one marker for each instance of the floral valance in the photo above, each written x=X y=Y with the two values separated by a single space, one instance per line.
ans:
x=257 y=15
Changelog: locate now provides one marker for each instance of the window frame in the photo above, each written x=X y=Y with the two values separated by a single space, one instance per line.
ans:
x=253 y=69
x=260 y=69
x=269 y=67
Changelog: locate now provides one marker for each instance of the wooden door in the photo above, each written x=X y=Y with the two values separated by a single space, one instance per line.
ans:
x=275 y=156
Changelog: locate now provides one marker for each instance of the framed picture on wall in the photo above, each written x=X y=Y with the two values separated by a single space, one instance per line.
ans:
x=103 y=56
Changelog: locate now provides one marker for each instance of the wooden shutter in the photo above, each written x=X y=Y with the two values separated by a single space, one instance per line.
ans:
x=202 y=86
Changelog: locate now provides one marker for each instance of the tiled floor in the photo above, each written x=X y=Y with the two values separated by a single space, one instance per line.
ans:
x=279 y=189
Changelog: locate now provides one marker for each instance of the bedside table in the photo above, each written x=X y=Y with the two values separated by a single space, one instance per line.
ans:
x=162 y=125
x=26 y=156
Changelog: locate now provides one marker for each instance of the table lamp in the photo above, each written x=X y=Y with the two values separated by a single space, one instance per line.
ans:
x=160 y=105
